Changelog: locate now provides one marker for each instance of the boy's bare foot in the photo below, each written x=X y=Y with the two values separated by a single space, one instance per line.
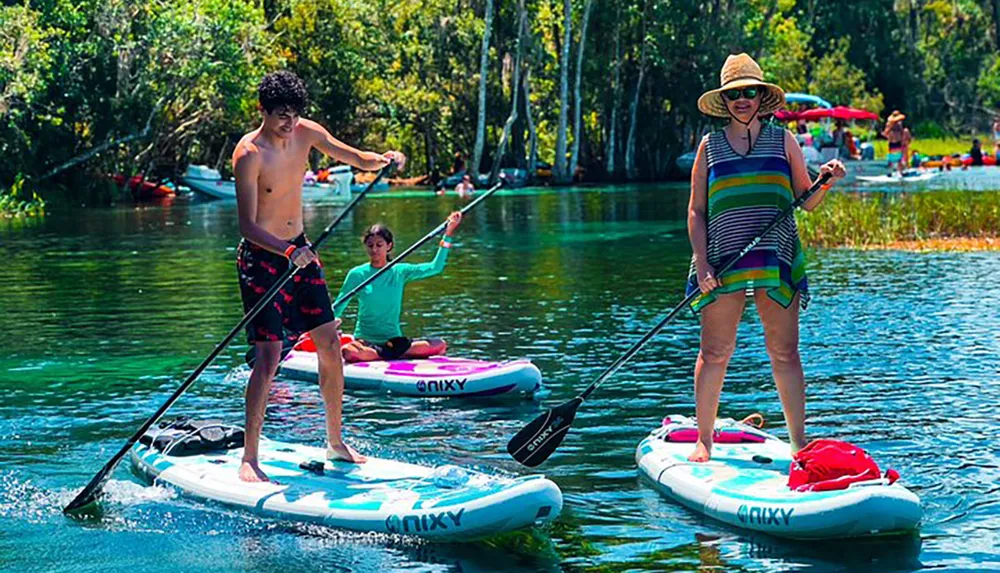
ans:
x=701 y=454
x=251 y=472
x=343 y=452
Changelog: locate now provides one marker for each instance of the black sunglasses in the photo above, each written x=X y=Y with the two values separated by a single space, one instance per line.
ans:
x=748 y=93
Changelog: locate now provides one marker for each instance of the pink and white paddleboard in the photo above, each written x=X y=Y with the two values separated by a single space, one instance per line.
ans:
x=432 y=377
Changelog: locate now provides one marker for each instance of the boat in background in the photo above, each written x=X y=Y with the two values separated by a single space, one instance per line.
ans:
x=144 y=189
x=208 y=182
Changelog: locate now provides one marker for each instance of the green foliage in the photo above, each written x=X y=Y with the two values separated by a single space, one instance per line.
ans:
x=841 y=82
x=14 y=203
x=989 y=82
x=178 y=77
x=789 y=55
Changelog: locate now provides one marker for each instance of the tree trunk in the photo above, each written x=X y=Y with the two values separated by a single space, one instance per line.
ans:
x=616 y=101
x=515 y=85
x=430 y=149
x=630 y=170
x=574 y=157
x=532 y=131
x=559 y=173
x=484 y=58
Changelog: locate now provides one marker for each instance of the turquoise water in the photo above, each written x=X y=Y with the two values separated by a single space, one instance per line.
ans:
x=104 y=311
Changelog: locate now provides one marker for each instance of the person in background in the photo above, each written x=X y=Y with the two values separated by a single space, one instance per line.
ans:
x=996 y=130
x=894 y=133
x=465 y=188
x=907 y=140
x=976 y=153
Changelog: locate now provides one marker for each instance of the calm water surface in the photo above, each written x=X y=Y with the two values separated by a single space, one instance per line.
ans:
x=104 y=311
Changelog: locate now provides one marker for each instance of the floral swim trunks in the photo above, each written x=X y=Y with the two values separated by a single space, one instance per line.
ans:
x=300 y=306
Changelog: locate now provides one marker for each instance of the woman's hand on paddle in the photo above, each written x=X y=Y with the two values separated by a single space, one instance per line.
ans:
x=835 y=168
x=302 y=256
x=454 y=220
x=706 y=277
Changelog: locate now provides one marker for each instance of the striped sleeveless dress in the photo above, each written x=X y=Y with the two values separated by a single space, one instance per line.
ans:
x=746 y=193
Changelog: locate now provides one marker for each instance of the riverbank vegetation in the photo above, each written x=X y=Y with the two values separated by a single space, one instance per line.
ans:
x=932 y=220
x=602 y=89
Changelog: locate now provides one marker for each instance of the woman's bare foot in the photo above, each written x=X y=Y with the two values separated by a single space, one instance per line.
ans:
x=343 y=452
x=251 y=472
x=701 y=454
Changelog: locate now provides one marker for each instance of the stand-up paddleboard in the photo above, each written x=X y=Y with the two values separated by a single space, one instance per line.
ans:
x=745 y=485
x=907 y=177
x=432 y=377
x=383 y=496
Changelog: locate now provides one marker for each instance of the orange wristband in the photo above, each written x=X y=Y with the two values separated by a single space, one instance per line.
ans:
x=288 y=252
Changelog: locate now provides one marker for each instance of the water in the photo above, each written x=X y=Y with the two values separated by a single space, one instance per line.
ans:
x=104 y=311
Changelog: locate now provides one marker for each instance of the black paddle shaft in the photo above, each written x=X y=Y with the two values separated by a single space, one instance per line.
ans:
x=778 y=220
x=94 y=488
x=537 y=440
x=349 y=295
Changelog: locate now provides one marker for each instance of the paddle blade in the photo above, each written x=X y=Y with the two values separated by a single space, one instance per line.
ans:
x=88 y=497
x=536 y=441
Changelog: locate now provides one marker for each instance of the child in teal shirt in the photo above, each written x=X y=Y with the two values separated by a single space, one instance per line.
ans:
x=377 y=335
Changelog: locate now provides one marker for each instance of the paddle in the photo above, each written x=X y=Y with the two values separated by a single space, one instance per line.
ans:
x=251 y=354
x=537 y=440
x=93 y=490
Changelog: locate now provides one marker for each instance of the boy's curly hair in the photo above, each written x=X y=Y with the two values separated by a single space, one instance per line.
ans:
x=282 y=89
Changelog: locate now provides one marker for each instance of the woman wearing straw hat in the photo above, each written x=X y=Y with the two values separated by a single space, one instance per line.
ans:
x=743 y=176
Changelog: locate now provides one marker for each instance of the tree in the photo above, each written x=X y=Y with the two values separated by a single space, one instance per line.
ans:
x=477 y=153
x=633 y=112
x=559 y=168
x=577 y=100
x=514 y=91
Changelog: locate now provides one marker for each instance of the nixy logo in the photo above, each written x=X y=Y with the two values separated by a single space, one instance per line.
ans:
x=540 y=439
x=450 y=385
x=426 y=522
x=751 y=514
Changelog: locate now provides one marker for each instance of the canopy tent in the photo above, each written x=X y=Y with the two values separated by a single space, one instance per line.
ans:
x=807 y=100
x=816 y=114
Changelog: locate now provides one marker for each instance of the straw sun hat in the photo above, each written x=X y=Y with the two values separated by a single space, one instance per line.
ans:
x=741 y=71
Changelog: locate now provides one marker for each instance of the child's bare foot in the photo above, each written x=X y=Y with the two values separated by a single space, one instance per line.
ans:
x=701 y=454
x=343 y=452
x=251 y=472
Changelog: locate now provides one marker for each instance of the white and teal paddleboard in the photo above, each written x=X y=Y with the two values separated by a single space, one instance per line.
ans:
x=384 y=496
x=907 y=177
x=745 y=485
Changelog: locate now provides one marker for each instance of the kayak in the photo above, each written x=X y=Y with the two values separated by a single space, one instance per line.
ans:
x=381 y=496
x=439 y=376
x=907 y=177
x=745 y=485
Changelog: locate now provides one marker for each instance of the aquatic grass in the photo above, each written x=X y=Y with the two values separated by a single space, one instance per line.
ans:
x=881 y=220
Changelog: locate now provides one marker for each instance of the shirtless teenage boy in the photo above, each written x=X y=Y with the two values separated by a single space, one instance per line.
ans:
x=269 y=164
